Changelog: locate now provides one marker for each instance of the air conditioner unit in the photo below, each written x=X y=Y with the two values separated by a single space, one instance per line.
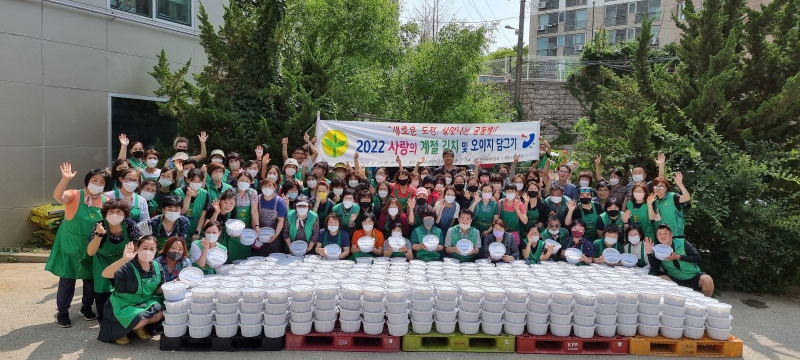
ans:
x=541 y=28
x=578 y=47
x=542 y=5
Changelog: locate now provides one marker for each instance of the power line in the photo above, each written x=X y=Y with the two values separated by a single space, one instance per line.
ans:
x=459 y=22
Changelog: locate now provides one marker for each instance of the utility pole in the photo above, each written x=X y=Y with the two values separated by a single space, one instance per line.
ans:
x=592 y=22
x=521 y=29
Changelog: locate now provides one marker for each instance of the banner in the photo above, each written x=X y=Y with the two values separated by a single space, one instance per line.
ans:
x=381 y=144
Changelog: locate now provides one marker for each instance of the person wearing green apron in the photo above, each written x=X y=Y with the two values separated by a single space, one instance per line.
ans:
x=347 y=211
x=681 y=266
x=170 y=223
x=196 y=202
x=535 y=250
x=611 y=218
x=198 y=254
x=332 y=235
x=368 y=230
x=512 y=211
x=535 y=209
x=639 y=211
x=272 y=213
x=136 y=152
x=217 y=185
x=392 y=214
x=148 y=191
x=635 y=245
x=609 y=240
x=577 y=240
x=68 y=258
x=246 y=208
x=404 y=251
x=401 y=189
x=135 y=300
x=588 y=211
x=302 y=225
x=131 y=181
x=669 y=205
x=484 y=210
x=106 y=245
x=428 y=221
x=554 y=230
x=463 y=230
x=224 y=211
x=557 y=203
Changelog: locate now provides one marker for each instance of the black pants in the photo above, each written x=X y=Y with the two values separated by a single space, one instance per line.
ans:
x=99 y=303
x=66 y=291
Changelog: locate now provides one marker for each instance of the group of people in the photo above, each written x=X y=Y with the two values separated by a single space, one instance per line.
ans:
x=135 y=225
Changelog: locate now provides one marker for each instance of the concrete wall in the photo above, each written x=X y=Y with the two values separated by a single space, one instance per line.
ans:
x=549 y=102
x=58 y=66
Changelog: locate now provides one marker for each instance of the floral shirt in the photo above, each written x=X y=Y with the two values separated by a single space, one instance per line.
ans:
x=172 y=275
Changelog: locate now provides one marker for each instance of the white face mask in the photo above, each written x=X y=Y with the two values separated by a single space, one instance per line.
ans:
x=130 y=186
x=393 y=211
x=415 y=184
x=114 y=219
x=151 y=163
x=216 y=160
x=352 y=183
x=556 y=199
x=165 y=182
x=252 y=172
x=243 y=185
x=534 y=238
x=146 y=255
x=333 y=228
x=638 y=177
x=397 y=234
x=486 y=195
x=338 y=191
x=367 y=227
x=633 y=239
x=638 y=196
x=613 y=181
x=511 y=196
x=584 y=183
x=449 y=198
x=438 y=187
x=185 y=173
x=172 y=215
x=212 y=238
x=464 y=226
x=272 y=177
x=290 y=171
x=347 y=204
x=195 y=186
x=148 y=195
x=553 y=232
x=233 y=165
x=311 y=183
x=268 y=191
x=519 y=186
x=217 y=177
x=94 y=189
x=448 y=180
x=380 y=178
x=610 y=240
x=383 y=193
x=302 y=211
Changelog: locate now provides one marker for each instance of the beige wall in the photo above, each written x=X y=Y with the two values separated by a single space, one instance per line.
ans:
x=58 y=66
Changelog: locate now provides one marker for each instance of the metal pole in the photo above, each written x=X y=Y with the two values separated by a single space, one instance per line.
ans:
x=518 y=79
x=592 y=22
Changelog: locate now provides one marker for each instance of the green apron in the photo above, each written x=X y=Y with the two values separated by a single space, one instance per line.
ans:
x=670 y=214
x=562 y=233
x=599 y=246
x=207 y=270
x=68 y=258
x=455 y=235
x=561 y=209
x=213 y=192
x=484 y=215
x=291 y=219
x=641 y=217
x=423 y=253
x=136 y=213
x=210 y=182
x=195 y=211
x=163 y=239
x=126 y=306
x=137 y=164
x=510 y=217
x=591 y=222
x=106 y=255
x=403 y=201
x=642 y=262
x=535 y=256
x=344 y=217
x=395 y=254
x=533 y=220
x=359 y=254
x=237 y=251
x=607 y=221
x=152 y=207
x=225 y=240
x=688 y=270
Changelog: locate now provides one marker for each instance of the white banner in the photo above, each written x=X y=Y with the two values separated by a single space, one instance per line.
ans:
x=379 y=143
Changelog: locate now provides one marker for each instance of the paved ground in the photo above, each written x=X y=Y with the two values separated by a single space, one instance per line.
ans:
x=767 y=324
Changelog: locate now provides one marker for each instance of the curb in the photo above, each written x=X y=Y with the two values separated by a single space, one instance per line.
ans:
x=7 y=257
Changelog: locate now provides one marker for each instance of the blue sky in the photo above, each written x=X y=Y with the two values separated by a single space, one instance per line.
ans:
x=482 y=10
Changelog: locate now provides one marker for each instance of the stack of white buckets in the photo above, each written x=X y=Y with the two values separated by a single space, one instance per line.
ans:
x=306 y=293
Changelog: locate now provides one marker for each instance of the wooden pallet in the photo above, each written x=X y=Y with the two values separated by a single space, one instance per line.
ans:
x=341 y=341
x=705 y=347
x=457 y=341
x=550 y=344
x=214 y=343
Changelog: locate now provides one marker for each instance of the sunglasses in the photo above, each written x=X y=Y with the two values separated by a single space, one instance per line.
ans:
x=659 y=187
x=585 y=191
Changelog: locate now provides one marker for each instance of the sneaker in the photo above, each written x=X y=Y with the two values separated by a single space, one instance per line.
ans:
x=142 y=333
x=123 y=340
x=63 y=320
x=88 y=314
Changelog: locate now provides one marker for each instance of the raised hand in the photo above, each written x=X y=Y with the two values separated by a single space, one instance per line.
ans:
x=651 y=199
x=477 y=163
x=516 y=157
x=571 y=205
x=130 y=252
x=145 y=228
x=202 y=137
x=661 y=160
x=191 y=192
x=626 y=216
x=679 y=178
x=355 y=156
x=215 y=205
x=398 y=161
x=598 y=159
x=420 y=160
x=178 y=166
x=306 y=138
x=204 y=169
x=66 y=171
x=123 y=139
x=99 y=229
x=206 y=244
x=285 y=141
x=648 y=245
x=265 y=159
x=259 y=152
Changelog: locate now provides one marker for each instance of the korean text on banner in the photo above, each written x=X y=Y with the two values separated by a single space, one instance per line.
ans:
x=380 y=143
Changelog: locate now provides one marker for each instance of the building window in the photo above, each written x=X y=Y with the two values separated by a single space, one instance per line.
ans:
x=616 y=36
x=546 y=46
x=647 y=9
x=574 y=44
x=576 y=20
x=173 y=11
x=571 y=3
x=616 y=15
x=139 y=119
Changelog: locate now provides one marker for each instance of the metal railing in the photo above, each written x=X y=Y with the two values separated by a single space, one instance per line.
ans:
x=534 y=67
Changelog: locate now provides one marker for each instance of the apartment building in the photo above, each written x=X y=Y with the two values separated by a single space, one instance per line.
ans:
x=73 y=75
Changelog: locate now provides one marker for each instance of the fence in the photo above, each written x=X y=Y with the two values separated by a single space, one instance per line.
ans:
x=547 y=68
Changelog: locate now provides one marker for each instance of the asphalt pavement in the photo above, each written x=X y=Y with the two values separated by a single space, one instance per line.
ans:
x=768 y=325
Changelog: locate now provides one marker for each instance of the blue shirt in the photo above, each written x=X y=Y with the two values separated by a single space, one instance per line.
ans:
x=585 y=245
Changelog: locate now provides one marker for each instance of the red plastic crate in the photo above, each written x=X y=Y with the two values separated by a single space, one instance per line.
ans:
x=549 y=344
x=341 y=341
